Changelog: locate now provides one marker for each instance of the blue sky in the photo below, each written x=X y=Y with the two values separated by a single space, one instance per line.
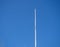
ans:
x=17 y=23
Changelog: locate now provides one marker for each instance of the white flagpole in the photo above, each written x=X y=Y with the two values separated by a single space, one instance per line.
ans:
x=35 y=28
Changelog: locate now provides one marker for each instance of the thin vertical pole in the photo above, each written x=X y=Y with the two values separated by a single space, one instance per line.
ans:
x=35 y=28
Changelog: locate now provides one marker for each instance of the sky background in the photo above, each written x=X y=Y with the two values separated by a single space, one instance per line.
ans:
x=17 y=23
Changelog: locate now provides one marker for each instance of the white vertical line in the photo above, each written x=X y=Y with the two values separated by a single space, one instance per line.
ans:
x=35 y=28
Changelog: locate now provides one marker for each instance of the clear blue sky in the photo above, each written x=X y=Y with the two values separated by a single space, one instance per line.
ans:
x=17 y=23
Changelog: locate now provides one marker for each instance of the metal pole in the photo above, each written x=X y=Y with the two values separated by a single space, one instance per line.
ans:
x=35 y=28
